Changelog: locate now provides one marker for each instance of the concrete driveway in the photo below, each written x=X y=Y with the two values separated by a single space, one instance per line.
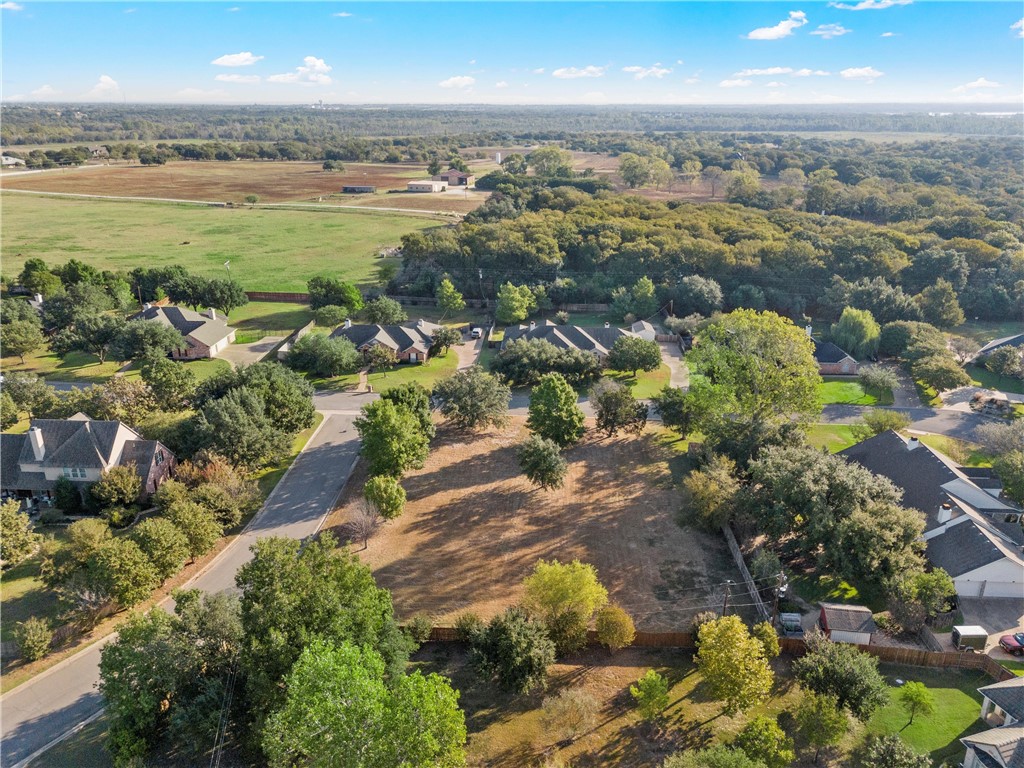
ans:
x=247 y=354
x=672 y=356
x=1000 y=616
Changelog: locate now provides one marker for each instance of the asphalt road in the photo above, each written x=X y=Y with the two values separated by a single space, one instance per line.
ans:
x=50 y=704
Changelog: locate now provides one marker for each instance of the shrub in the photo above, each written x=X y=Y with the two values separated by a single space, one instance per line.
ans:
x=514 y=649
x=765 y=565
x=385 y=492
x=331 y=315
x=615 y=628
x=878 y=378
x=768 y=637
x=699 y=621
x=570 y=714
x=33 y=637
x=118 y=517
x=67 y=496
x=468 y=626
x=650 y=694
x=118 y=486
x=419 y=628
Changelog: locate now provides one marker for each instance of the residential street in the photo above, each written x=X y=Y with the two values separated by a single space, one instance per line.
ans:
x=50 y=704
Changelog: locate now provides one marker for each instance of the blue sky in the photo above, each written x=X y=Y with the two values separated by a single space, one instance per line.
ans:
x=514 y=53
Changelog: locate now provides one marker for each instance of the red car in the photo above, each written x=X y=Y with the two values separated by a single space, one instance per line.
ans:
x=1013 y=643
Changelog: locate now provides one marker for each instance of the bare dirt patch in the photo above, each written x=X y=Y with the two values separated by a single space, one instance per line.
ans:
x=474 y=527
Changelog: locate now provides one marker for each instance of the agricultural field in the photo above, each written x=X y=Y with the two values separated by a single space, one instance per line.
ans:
x=270 y=250
x=474 y=527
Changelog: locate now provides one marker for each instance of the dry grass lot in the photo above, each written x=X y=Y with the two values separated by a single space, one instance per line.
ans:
x=274 y=182
x=474 y=527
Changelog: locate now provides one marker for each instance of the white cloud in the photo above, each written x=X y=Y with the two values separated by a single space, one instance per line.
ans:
x=860 y=73
x=9 y=6
x=539 y=71
x=44 y=92
x=766 y=71
x=501 y=84
x=571 y=73
x=234 y=78
x=691 y=80
x=774 y=84
x=1019 y=26
x=106 y=88
x=888 y=34
x=313 y=71
x=679 y=61
x=472 y=61
x=243 y=59
x=235 y=9
x=736 y=83
x=783 y=29
x=828 y=31
x=458 y=81
x=130 y=10
x=981 y=82
x=342 y=15
x=639 y=73
x=809 y=72
x=871 y=5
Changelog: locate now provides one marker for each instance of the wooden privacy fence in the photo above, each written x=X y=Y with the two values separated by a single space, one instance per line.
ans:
x=301 y=298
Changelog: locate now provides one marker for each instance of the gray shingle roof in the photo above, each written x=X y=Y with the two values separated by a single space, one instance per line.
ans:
x=1005 y=742
x=1008 y=695
x=848 y=618
x=188 y=323
x=1006 y=341
x=414 y=336
x=589 y=339
x=827 y=352
x=10 y=455
x=962 y=548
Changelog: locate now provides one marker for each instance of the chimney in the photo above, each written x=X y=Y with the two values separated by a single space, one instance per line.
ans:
x=808 y=329
x=607 y=324
x=533 y=325
x=211 y=313
x=35 y=437
x=914 y=442
x=348 y=323
x=945 y=513
x=147 y=305
x=38 y=298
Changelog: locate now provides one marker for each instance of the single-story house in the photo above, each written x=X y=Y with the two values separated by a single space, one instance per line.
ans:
x=1002 y=703
x=206 y=335
x=597 y=340
x=995 y=748
x=847 y=623
x=10 y=162
x=1006 y=341
x=358 y=189
x=80 y=449
x=969 y=531
x=455 y=178
x=427 y=185
x=410 y=341
x=832 y=360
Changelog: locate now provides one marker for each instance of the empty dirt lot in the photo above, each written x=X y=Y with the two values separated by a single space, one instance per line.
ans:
x=473 y=528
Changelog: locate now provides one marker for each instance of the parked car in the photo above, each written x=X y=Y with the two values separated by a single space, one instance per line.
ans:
x=476 y=333
x=1013 y=643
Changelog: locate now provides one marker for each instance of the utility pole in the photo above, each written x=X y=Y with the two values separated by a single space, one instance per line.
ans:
x=725 y=603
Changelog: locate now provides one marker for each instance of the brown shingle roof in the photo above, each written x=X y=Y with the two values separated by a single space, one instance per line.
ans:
x=848 y=618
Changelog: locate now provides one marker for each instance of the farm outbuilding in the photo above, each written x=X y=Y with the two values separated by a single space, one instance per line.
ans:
x=427 y=185
x=358 y=189
x=455 y=178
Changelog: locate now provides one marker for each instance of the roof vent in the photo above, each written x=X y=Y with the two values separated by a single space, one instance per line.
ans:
x=808 y=329
x=147 y=305
x=914 y=442
x=533 y=325
x=945 y=513
x=607 y=324
x=348 y=323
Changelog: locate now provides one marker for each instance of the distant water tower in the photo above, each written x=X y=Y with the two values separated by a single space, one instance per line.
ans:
x=497 y=157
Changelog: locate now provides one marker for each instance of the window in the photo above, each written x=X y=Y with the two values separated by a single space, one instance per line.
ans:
x=159 y=458
x=74 y=473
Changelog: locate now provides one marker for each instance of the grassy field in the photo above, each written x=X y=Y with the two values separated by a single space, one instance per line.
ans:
x=968 y=454
x=24 y=595
x=833 y=437
x=474 y=527
x=270 y=318
x=427 y=374
x=847 y=391
x=75 y=366
x=957 y=709
x=274 y=250
x=982 y=377
x=984 y=331
x=646 y=384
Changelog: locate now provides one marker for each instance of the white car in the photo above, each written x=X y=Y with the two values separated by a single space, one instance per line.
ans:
x=476 y=333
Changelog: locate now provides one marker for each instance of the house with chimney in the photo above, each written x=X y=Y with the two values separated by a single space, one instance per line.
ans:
x=410 y=341
x=79 y=449
x=970 y=530
x=205 y=334
x=597 y=340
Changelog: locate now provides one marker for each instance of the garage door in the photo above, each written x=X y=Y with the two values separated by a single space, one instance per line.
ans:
x=1003 y=589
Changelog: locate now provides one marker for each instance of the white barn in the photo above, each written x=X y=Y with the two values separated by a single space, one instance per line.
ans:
x=427 y=185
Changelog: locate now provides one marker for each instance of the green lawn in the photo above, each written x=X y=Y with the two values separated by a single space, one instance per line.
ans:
x=1017 y=667
x=427 y=374
x=204 y=369
x=984 y=331
x=268 y=477
x=982 y=377
x=74 y=366
x=957 y=704
x=968 y=454
x=270 y=250
x=850 y=392
x=270 y=318
x=927 y=394
x=24 y=595
x=833 y=437
x=646 y=384
x=830 y=589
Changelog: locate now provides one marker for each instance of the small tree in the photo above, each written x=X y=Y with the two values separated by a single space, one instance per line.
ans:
x=33 y=637
x=414 y=397
x=857 y=332
x=325 y=355
x=365 y=522
x=733 y=664
x=1010 y=468
x=631 y=353
x=197 y=524
x=472 y=398
x=514 y=649
x=615 y=627
x=9 y=413
x=17 y=540
x=381 y=358
x=617 y=408
x=564 y=596
x=118 y=486
x=444 y=339
x=889 y=752
x=163 y=543
x=171 y=383
x=939 y=305
x=21 y=337
x=820 y=721
x=676 y=409
x=712 y=491
x=542 y=462
x=841 y=671
x=767 y=637
x=448 y=298
x=386 y=494
x=392 y=440
x=650 y=694
x=554 y=414
x=331 y=315
x=875 y=421
x=515 y=302
x=120 y=569
x=252 y=200
x=877 y=378
x=762 y=739
x=384 y=311
x=570 y=714
x=916 y=699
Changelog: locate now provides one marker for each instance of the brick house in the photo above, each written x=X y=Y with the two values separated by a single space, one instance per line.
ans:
x=79 y=449
x=596 y=340
x=410 y=341
x=833 y=361
x=206 y=335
